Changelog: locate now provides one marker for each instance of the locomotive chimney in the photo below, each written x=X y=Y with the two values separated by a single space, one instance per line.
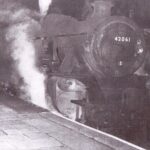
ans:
x=101 y=8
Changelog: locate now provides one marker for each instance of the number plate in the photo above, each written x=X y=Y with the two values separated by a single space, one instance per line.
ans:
x=122 y=39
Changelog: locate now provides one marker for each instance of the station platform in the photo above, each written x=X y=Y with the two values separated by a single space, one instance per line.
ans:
x=24 y=126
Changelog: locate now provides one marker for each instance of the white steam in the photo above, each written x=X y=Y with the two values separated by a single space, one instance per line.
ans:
x=24 y=55
x=44 y=6
x=20 y=34
x=22 y=29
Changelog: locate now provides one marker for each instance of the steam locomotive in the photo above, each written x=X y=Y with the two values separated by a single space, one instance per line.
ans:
x=105 y=56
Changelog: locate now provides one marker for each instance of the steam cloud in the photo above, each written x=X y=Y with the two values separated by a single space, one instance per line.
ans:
x=19 y=35
x=44 y=5
x=24 y=55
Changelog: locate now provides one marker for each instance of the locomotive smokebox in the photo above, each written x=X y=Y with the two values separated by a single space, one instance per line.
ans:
x=115 y=47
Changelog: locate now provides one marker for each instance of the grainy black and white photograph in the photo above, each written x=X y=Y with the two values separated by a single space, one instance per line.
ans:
x=74 y=74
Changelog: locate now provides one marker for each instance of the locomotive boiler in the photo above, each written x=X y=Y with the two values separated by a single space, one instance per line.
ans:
x=103 y=56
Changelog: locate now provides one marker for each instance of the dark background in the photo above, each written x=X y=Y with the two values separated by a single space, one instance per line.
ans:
x=75 y=8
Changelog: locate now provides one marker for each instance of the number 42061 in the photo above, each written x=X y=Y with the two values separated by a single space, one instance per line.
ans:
x=122 y=39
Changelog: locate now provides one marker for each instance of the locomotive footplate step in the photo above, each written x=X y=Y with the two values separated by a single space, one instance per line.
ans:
x=24 y=126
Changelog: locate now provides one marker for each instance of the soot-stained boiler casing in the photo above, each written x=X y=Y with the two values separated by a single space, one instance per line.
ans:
x=103 y=53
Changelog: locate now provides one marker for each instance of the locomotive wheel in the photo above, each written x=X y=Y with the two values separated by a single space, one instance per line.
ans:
x=115 y=48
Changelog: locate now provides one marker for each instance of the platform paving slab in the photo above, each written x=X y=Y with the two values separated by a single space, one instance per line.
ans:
x=24 y=126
